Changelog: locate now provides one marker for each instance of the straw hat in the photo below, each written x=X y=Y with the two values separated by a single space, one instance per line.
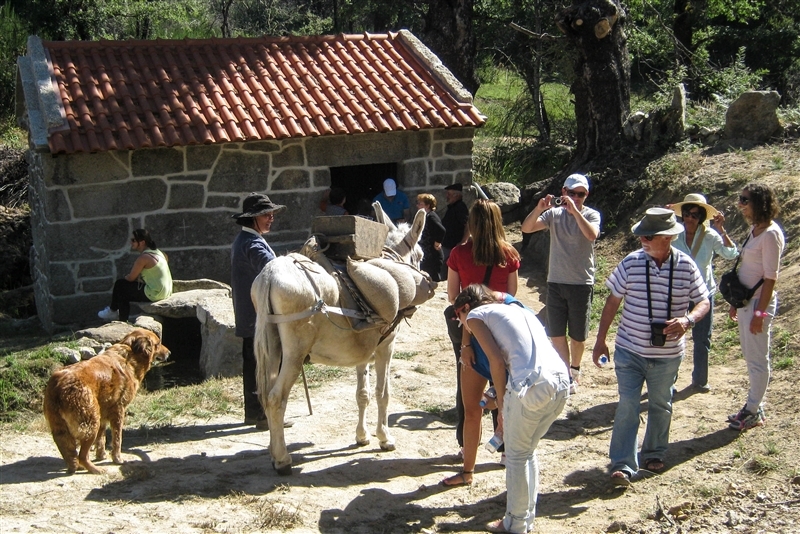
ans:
x=700 y=200
x=657 y=221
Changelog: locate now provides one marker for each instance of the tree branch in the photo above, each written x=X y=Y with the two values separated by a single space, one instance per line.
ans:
x=540 y=36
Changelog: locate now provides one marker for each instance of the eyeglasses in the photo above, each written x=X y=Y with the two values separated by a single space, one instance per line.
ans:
x=269 y=215
x=647 y=237
x=578 y=194
x=744 y=200
x=690 y=215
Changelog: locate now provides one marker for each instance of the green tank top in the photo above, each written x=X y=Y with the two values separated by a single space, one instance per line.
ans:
x=157 y=279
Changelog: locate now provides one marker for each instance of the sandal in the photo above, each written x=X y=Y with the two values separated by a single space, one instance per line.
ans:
x=656 y=465
x=620 y=479
x=458 y=480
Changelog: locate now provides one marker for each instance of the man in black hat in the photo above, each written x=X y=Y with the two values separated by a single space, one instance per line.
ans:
x=454 y=221
x=249 y=254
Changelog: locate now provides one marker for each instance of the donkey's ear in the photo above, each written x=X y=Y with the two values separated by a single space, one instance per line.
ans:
x=417 y=226
x=381 y=216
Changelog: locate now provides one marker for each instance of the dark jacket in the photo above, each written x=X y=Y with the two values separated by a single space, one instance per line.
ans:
x=249 y=254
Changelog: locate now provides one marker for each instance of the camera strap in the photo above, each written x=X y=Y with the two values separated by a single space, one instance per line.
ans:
x=669 y=288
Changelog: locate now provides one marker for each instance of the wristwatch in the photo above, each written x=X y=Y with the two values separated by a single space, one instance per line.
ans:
x=759 y=313
x=691 y=320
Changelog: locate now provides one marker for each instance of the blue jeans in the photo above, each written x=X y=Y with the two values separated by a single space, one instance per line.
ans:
x=701 y=338
x=633 y=372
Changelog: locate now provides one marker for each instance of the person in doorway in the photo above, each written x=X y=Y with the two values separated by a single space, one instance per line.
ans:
x=699 y=241
x=431 y=239
x=395 y=203
x=336 y=200
x=657 y=283
x=454 y=221
x=532 y=384
x=570 y=278
x=249 y=254
x=149 y=280
x=488 y=258
x=761 y=256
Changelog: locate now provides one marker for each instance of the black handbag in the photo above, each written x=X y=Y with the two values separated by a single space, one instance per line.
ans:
x=733 y=290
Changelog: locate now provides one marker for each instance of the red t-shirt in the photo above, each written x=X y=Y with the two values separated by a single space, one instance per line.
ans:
x=460 y=261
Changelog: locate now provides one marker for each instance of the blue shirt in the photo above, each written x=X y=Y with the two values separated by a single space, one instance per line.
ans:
x=394 y=208
x=249 y=254
x=711 y=244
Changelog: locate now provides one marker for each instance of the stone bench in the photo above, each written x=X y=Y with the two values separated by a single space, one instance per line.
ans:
x=210 y=303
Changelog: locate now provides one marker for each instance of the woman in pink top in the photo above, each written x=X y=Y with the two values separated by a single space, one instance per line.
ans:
x=761 y=256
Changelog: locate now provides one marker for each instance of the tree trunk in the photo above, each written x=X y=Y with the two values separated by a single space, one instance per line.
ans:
x=448 y=33
x=602 y=68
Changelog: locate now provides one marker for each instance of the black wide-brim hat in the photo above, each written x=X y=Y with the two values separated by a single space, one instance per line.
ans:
x=256 y=204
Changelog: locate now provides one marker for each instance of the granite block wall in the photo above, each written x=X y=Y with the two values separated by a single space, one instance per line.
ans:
x=85 y=206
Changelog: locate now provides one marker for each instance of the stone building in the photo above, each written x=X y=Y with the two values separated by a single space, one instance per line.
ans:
x=172 y=135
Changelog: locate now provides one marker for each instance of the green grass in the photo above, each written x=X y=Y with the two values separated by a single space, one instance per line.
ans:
x=316 y=375
x=11 y=135
x=401 y=355
x=23 y=376
x=161 y=408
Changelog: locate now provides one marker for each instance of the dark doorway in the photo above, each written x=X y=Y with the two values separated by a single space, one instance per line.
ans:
x=361 y=183
x=184 y=340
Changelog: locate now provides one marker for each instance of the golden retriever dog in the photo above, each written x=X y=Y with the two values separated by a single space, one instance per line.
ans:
x=82 y=399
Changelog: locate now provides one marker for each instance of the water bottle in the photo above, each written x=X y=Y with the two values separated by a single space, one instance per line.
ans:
x=493 y=444
x=488 y=396
x=602 y=360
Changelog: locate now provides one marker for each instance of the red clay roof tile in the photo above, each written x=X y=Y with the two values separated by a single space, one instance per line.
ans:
x=135 y=94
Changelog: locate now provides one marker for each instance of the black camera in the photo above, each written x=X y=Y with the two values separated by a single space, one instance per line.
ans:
x=657 y=336
x=557 y=201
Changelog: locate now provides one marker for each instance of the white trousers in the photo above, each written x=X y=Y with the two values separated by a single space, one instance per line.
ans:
x=755 y=349
x=525 y=421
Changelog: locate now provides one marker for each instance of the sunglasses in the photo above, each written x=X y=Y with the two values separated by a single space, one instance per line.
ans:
x=690 y=215
x=647 y=237
x=577 y=194
x=744 y=200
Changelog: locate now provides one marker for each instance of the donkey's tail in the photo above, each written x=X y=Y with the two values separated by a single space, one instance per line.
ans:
x=267 y=342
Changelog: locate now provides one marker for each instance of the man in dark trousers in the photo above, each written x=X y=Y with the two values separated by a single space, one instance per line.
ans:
x=454 y=221
x=249 y=254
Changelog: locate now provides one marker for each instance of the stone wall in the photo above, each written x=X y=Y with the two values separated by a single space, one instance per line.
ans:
x=85 y=206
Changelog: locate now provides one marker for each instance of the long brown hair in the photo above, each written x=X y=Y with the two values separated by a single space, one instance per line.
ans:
x=489 y=245
x=763 y=202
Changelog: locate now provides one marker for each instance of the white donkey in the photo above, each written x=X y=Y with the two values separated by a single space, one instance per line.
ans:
x=293 y=285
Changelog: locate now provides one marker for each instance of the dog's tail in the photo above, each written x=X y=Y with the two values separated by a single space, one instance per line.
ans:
x=267 y=343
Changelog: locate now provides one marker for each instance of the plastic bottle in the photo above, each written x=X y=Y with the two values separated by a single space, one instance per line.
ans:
x=488 y=396
x=602 y=360
x=493 y=444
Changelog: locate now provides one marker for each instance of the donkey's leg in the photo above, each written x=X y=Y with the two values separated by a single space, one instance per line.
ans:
x=383 y=357
x=362 y=398
x=293 y=354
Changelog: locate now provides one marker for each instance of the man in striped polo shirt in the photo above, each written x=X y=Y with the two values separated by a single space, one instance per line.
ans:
x=657 y=283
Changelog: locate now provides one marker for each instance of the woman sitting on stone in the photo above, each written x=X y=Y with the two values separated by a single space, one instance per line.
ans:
x=149 y=280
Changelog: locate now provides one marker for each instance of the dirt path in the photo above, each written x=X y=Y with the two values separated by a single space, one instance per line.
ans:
x=215 y=476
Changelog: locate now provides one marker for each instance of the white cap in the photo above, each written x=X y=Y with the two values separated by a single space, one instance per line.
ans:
x=577 y=180
x=389 y=187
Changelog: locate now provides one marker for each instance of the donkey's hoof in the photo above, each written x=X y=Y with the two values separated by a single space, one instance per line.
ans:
x=362 y=442
x=387 y=445
x=283 y=471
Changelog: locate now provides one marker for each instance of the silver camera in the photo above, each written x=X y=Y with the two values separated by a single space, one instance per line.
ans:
x=557 y=201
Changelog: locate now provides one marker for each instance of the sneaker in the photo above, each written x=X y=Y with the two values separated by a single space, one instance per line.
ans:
x=503 y=459
x=575 y=373
x=704 y=388
x=573 y=386
x=735 y=417
x=748 y=421
x=107 y=314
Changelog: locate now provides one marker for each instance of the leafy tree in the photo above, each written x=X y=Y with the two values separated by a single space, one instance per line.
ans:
x=13 y=33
